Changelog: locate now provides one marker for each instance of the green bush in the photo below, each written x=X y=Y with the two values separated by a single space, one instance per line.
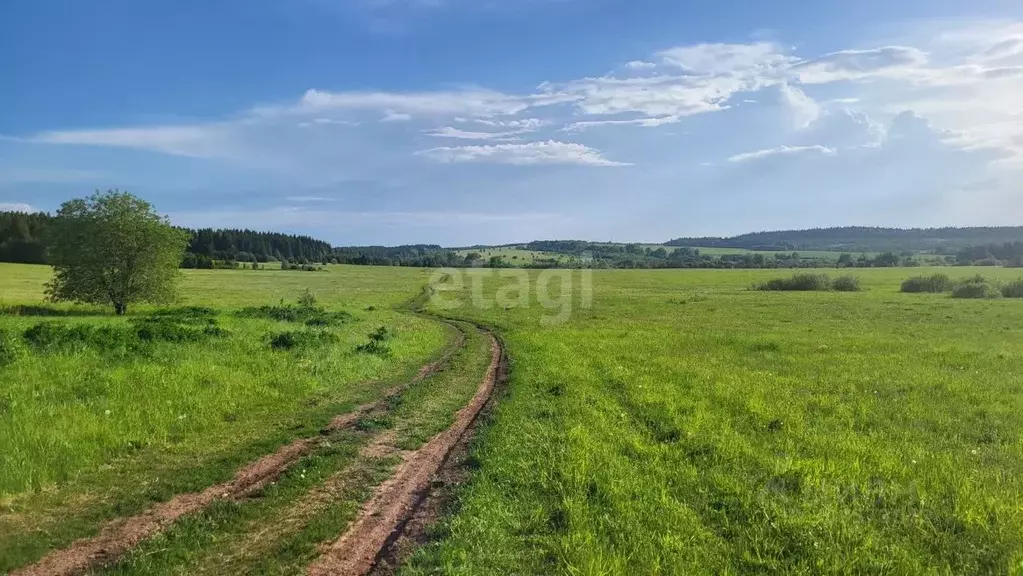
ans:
x=847 y=284
x=798 y=282
x=51 y=336
x=301 y=339
x=307 y=300
x=975 y=287
x=308 y=315
x=934 y=283
x=1013 y=289
x=377 y=342
x=163 y=329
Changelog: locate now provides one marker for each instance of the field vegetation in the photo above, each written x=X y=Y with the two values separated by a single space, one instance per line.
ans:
x=103 y=415
x=685 y=424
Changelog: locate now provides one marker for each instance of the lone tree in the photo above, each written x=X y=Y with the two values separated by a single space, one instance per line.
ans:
x=113 y=248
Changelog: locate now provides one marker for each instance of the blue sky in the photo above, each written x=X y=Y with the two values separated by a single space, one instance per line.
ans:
x=461 y=122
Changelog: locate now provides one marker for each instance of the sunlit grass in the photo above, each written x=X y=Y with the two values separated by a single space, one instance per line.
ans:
x=686 y=424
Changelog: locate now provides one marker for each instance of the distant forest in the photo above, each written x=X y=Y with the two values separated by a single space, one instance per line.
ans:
x=23 y=239
x=864 y=239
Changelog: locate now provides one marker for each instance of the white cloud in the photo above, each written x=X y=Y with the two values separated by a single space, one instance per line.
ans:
x=782 y=151
x=888 y=61
x=392 y=116
x=326 y=122
x=473 y=102
x=715 y=59
x=641 y=122
x=524 y=124
x=450 y=132
x=17 y=207
x=802 y=109
x=640 y=65
x=195 y=140
x=533 y=153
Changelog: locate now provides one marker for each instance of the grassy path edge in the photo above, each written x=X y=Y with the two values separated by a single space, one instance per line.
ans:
x=119 y=535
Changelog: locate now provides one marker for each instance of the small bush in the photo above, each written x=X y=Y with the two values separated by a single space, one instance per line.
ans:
x=163 y=329
x=307 y=300
x=308 y=315
x=301 y=339
x=377 y=342
x=49 y=336
x=1013 y=289
x=847 y=284
x=934 y=283
x=798 y=282
x=976 y=287
x=381 y=334
x=374 y=347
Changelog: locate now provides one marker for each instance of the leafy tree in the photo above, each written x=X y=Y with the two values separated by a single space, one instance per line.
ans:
x=113 y=248
x=845 y=260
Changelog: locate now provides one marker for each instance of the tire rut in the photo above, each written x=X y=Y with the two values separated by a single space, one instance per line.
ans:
x=384 y=517
x=120 y=535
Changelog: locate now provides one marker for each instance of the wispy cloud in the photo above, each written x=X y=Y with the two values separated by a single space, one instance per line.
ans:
x=17 y=207
x=782 y=151
x=859 y=64
x=533 y=153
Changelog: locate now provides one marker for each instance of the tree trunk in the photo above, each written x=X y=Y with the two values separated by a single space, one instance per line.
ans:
x=120 y=309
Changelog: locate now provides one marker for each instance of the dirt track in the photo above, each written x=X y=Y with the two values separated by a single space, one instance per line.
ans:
x=395 y=501
x=122 y=534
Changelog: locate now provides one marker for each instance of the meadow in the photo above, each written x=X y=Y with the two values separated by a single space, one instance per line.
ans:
x=100 y=415
x=685 y=424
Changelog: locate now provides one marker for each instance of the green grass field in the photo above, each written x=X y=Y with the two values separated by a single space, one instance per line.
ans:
x=89 y=431
x=688 y=425
x=682 y=424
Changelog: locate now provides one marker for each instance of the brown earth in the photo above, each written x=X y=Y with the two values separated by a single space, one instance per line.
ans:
x=384 y=516
x=121 y=534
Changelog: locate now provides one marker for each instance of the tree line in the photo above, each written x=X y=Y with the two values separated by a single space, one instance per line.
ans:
x=863 y=239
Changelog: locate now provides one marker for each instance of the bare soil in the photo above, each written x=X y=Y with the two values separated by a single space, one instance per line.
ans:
x=122 y=534
x=384 y=516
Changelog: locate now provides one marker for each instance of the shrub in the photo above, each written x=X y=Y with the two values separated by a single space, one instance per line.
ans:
x=301 y=339
x=1013 y=289
x=975 y=287
x=55 y=335
x=847 y=284
x=934 y=283
x=163 y=329
x=798 y=282
x=377 y=342
x=307 y=300
x=308 y=315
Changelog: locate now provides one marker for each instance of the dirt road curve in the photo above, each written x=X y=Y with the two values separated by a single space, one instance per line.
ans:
x=356 y=552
